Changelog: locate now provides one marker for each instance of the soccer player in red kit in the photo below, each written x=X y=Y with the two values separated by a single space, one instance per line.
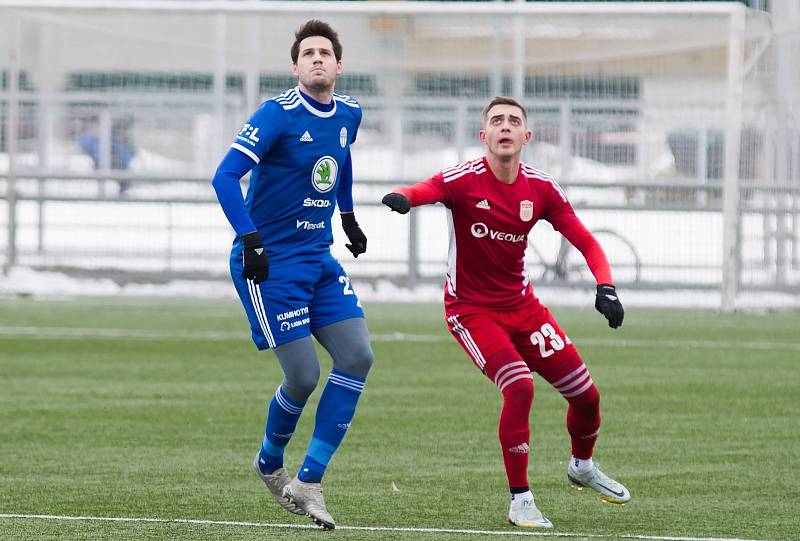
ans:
x=492 y=204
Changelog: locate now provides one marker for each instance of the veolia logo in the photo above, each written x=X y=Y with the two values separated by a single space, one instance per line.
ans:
x=479 y=230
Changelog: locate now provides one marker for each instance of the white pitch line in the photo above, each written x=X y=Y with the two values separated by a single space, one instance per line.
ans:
x=143 y=334
x=505 y=533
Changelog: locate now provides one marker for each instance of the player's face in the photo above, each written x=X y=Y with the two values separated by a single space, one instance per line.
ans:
x=505 y=131
x=316 y=66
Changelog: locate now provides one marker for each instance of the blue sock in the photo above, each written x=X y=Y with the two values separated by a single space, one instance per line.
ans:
x=282 y=418
x=334 y=413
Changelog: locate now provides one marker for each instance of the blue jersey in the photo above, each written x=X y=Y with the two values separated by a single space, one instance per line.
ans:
x=299 y=153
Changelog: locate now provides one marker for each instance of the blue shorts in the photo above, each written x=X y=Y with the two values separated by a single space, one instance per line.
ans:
x=297 y=298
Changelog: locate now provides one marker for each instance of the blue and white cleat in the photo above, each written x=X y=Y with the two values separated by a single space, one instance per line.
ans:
x=609 y=490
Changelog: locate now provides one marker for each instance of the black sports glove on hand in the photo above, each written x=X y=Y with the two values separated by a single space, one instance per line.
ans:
x=607 y=303
x=357 y=238
x=254 y=258
x=397 y=202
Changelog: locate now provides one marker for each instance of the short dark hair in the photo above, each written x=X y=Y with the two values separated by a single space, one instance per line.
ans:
x=315 y=27
x=504 y=100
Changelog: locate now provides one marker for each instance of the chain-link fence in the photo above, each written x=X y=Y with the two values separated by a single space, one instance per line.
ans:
x=674 y=130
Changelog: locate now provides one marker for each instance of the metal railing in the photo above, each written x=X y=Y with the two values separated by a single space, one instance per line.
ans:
x=164 y=228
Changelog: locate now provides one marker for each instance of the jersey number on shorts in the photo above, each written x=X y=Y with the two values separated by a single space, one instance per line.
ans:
x=346 y=281
x=539 y=338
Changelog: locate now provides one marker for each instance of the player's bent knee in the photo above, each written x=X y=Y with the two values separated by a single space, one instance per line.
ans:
x=357 y=361
x=519 y=392
x=300 y=384
x=588 y=399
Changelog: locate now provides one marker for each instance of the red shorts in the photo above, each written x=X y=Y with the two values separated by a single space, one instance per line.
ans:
x=531 y=331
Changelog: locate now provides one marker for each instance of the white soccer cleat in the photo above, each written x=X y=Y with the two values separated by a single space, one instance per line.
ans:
x=275 y=482
x=308 y=497
x=524 y=513
x=609 y=490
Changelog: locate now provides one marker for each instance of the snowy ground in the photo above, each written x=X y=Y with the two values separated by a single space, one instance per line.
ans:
x=25 y=282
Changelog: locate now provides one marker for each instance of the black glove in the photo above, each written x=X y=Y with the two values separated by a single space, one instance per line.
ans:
x=357 y=238
x=397 y=202
x=254 y=258
x=607 y=303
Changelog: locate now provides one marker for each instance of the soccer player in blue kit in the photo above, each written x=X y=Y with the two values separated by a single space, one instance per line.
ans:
x=297 y=147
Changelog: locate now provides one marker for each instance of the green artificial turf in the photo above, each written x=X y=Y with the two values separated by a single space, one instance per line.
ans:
x=153 y=409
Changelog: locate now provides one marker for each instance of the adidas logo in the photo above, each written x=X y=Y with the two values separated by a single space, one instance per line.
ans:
x=483 y=204
x=521 y=449
x=306 y=138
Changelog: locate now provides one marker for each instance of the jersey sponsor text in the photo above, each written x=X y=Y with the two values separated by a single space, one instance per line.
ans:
x=480 y=230
x=308 y=226
x=319 y=203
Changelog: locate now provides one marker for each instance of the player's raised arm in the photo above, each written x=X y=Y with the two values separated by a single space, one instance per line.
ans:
x=422 y=193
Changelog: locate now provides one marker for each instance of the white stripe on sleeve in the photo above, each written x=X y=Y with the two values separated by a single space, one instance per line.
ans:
x=246 y=151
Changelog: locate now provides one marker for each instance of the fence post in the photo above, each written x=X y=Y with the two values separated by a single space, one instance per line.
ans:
x=731 y=213
x=12 y=133
x=413 y=250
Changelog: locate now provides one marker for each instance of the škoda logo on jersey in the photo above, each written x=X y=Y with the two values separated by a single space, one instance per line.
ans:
x=526 y=210
x=323 y=176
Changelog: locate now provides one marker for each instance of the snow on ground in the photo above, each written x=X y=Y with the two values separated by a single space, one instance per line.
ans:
x=26 y=282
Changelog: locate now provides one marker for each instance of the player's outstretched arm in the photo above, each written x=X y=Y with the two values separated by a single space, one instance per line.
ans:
x=427 y=192
x=397 y=202
x=607 y=303
x=357 y=238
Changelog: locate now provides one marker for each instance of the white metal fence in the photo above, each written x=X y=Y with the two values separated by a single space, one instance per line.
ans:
x=675 y=129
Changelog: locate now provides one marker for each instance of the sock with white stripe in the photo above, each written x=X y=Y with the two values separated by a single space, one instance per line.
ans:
x=514 y=430
x=282 y=417
x=335 y=411
x=571 y=378
x=515 y=382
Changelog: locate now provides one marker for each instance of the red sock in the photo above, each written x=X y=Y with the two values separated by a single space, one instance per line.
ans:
x=571 y=378
x=514 y=430
x=583 y=422
x=514 y=379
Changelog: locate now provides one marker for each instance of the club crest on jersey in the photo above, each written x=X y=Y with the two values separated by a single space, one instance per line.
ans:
x=323 y=177
x=526 y=210
x=343 y=136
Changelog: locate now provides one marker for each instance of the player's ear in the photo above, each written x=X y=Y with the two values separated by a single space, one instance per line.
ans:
x=295 y=71
x=482 y=136
x=338 y=67
x=528 y=135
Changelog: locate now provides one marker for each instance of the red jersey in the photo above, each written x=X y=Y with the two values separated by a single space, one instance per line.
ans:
x=489 y=222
